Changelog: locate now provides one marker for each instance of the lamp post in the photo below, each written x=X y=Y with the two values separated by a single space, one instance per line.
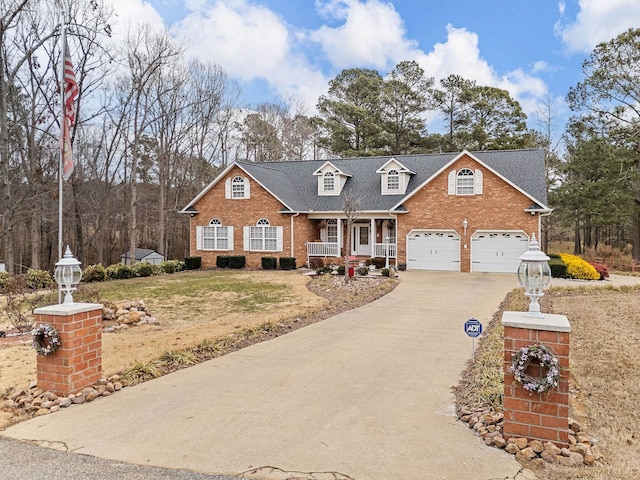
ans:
x=68 y=275
x=534 y=274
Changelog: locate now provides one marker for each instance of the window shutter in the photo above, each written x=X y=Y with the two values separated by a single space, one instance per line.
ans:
x=227 y=188
x=279 y=246
x=477 y=182
x=230 y=236
x=452 y=182
x=198 y=237
x=247 y=188
x=246 y=238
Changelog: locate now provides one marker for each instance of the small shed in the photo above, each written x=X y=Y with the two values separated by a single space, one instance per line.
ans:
x=143 y=255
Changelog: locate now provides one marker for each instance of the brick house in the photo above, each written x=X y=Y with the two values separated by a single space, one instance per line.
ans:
x=466 y=211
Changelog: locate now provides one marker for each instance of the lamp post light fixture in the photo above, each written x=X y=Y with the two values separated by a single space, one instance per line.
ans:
x=68 y=275
x=465 y=224
x=534 y=274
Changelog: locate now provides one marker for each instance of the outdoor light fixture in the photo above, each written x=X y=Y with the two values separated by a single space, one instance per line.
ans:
x=465 y=224
x=534 y=274
x=68 y=275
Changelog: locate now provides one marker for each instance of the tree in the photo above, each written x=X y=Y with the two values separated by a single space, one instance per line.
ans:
x=350 y=113
x=453 y=101
x=351 y=206
x=404 y=99
x=610 y=95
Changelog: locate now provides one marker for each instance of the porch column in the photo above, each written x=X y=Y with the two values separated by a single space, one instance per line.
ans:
x=340 y=235
x=372 y=237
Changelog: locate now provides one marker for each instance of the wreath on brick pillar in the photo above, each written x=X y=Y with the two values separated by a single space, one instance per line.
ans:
x=46 y=339
x=536 y=355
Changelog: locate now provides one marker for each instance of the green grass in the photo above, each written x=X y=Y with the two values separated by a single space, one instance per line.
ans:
x=190 y=289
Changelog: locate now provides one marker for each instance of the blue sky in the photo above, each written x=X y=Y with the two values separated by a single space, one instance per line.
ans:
x=292 y=48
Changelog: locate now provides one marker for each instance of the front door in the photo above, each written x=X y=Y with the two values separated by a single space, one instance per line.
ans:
x=360 y=242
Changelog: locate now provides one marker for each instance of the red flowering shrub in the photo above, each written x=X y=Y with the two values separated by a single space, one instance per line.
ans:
x=601 y=269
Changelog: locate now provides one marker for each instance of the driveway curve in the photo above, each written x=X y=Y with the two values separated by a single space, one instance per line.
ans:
x=364 y=395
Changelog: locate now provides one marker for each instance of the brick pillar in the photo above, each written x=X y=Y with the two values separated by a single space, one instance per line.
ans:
x=77 y=364
x=536 y=416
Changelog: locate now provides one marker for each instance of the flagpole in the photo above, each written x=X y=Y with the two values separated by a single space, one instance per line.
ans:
x=63 y=49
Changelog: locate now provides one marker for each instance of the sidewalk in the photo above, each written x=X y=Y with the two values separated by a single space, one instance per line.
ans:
x=365 y=395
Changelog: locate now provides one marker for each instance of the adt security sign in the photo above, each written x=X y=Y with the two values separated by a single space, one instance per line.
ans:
x=473 y=327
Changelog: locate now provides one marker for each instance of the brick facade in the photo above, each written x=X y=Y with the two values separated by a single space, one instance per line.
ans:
x=499 y=208
x=77 y=364
x=536 y=416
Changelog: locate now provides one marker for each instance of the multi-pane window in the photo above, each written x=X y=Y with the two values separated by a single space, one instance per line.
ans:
x=215 y=236
x=329 y=182
x=332 y=231
x=264 y=236
x=464 y=182
x=393 y=180
x=237 y=187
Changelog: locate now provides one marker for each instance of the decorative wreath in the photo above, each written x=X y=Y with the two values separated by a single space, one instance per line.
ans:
x=46 y=339
x=536 y=354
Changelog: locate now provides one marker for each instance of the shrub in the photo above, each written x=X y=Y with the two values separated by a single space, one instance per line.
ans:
x=341 y=270
x=237 y=261
x=287 y=263
x=269 y=263
x=362 y=271
x=325 y=269
x=142 y=269
x=222 y=261
x=37 y=279
x=378 y=262
x=579 y=268
x=192 y=263
x=385 y=272
x=558 y=267
x=94 y=273
x=602 y=270
x=119 y=271
x=172 y=266
x=157 y=269
x=5 y=278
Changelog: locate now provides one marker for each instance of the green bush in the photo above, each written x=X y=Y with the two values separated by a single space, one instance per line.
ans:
x=362 y=271
x=5 y=278
x=222 y=261
x=192 y=263
x=119 y=271
x=142 y=269
x=287 y=263
x=558 y=268
x=237 y=261
x=157 y=269
x=172 y=266
x=269 y=263
x=94 y=273
x=37 y=279
x=341 y=270
x=385 y=272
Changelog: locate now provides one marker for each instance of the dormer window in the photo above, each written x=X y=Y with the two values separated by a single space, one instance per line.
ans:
x=393 y=180
x=329 y=182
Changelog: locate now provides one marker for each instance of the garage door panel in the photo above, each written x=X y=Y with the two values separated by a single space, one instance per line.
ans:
x=498 y=252
x=428 y=250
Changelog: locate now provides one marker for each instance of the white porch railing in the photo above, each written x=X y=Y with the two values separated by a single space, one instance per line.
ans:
x=322 y=249
x=384 y=250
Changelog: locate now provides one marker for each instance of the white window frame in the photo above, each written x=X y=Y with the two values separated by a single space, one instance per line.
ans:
x=263 y=237
x=329 y=182
x=214 y=236
x=237 y=188
x=465 y=182
x=393 y=180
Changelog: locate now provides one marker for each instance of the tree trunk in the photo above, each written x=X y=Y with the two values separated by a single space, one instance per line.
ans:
x=577 y=242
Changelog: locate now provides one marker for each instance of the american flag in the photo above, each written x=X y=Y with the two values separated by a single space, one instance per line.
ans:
x=70 y=93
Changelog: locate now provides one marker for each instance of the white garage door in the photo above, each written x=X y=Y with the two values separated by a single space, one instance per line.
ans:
x=497 y=251
x=433 y=251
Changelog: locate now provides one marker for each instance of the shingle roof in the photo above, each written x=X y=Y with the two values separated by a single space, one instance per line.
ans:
x=294 y=185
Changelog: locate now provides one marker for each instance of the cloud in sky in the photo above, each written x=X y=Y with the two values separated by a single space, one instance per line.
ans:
x=598 y=21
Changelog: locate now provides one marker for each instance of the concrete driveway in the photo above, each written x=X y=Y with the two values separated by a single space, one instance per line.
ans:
x=365 y=395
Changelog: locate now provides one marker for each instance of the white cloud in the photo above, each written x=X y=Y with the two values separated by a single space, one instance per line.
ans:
x=562 y=7
x=599 y=21
x=371 y=34
x=131 y=12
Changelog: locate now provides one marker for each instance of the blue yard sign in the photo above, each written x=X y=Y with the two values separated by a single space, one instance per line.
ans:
x=473 y=327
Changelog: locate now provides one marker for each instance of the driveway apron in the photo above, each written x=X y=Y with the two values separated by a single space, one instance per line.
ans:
x=364 y=395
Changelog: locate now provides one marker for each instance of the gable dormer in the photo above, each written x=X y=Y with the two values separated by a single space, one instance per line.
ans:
x=331 y=179
x=394 y=178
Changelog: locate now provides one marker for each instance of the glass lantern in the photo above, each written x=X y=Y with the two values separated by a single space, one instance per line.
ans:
x=534 y=274
x=68 y=275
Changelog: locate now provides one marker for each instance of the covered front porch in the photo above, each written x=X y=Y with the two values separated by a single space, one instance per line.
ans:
x=369 y=238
